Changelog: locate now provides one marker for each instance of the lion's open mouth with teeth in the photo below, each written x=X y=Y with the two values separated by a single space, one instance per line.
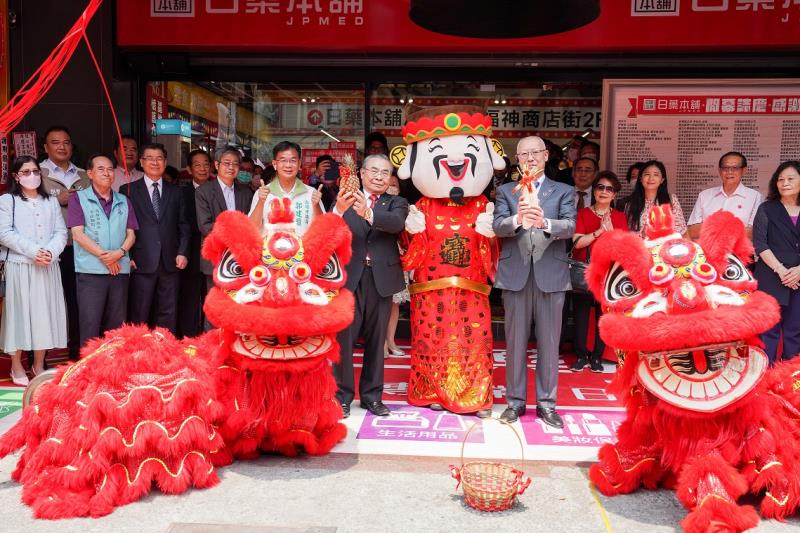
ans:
x=703 y=379
x=281 y=348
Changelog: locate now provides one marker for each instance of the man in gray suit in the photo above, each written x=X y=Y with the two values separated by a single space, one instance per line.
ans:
x=534 y=276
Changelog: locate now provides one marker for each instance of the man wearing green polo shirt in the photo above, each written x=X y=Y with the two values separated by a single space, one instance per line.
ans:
x=306 y=201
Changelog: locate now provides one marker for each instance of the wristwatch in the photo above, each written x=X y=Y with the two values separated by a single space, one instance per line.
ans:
x=124 y=251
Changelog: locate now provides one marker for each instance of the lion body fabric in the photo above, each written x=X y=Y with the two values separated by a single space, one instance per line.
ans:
x=706 y=415
x=143 y=408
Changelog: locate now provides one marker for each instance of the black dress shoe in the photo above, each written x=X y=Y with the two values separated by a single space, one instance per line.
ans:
x=345 y=410
x=511 y=414
x=376 y=408
x=550 y=417
x=484 y=413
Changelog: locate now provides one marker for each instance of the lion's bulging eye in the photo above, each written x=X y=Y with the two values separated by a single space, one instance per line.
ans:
x=735 y=270
x=619 y=284
x=332 y=272
x=229 y=269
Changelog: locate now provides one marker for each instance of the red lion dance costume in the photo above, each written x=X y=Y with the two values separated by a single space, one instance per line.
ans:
x=141 y=407
x=706 y=416
x=451 y=159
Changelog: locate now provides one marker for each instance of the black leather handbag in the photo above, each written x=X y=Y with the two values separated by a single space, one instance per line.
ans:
x=577 y=272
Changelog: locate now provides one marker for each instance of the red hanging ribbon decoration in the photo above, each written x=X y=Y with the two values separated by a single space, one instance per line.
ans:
x=41 y=81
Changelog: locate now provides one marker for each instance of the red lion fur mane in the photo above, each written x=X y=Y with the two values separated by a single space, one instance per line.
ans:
x=141 y=407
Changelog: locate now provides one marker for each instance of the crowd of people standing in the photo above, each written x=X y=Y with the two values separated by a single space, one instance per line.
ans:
x=86 y=250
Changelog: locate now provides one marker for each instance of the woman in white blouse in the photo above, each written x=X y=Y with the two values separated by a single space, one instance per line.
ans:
x=650 y=190
x=33 y=235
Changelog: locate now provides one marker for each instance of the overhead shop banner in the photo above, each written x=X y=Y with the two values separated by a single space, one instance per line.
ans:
x=458 y=26
x=556 y=119
x=689 y=124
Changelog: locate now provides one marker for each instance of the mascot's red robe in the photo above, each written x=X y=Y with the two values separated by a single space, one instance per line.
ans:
x=141 y=407
x=451 y=325
x=706 y=415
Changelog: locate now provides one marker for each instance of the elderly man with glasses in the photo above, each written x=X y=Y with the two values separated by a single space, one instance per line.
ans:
x=534 y=276
x=730 y=196
x=374 y=274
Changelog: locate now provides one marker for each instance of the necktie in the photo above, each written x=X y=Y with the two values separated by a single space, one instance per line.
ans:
x=373 y=199
x=156 y=201
x=581 y=199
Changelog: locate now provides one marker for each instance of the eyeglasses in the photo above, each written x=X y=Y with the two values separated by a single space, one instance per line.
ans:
x=291 y=162
x=730 y=169
x=229 y=164
x=529 y=155
x=158 y=159
x=104 y=170
x=374 y=172
x=28 y=172
x=601 y=188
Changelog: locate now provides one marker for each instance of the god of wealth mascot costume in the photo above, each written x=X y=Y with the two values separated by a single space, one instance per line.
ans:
x=141 y=407
x=451 y=158
x=706 y=416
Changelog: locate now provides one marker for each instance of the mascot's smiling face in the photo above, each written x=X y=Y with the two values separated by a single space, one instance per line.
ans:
x=449 y=155
x=688 y=310
x=282 y=295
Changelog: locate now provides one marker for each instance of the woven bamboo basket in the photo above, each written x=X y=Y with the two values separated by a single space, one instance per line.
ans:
x=490 y=485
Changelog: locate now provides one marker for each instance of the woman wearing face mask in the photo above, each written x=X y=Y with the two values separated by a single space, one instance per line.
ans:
x=33 y=235
x=391 y=349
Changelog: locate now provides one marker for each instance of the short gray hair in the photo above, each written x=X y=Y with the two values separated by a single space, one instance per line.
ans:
x=382 y=157
x=228 y=150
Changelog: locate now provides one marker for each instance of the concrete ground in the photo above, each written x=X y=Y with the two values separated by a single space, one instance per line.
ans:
x=353 y=493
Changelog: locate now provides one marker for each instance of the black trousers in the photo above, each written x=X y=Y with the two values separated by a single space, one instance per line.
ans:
x=372 y=317
x=67 y=266
x=103 y=303
x=209 y=281
x=191 y=295
x=154 y=295
x=582 y=305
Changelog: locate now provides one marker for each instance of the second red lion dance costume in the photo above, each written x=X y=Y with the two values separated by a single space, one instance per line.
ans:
x=451 y=158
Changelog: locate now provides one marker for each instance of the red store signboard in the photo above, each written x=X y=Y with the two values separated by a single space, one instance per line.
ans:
x=459 y=26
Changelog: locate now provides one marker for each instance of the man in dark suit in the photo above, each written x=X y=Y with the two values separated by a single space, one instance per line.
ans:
x=533 y=273
x=162 y=242
x=374 y=274
x=193 y=281
x=225 y=193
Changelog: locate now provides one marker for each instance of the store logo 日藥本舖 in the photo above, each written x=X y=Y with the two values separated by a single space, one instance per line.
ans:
x=651 y=8
x=171 y=8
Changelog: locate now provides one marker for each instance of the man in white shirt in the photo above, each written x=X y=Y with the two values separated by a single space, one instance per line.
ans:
x=60 y=177
x=130 y=156
x=583 y=173
x=731 y=196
